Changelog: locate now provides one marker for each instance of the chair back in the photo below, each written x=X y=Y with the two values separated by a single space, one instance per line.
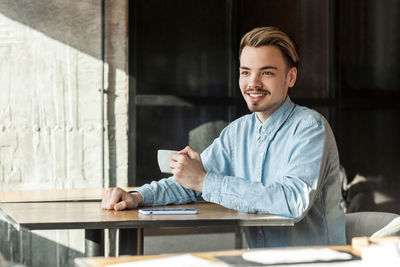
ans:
x=203 y=135
x=370 y=222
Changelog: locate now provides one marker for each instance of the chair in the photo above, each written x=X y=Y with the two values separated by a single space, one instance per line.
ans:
x=371 y=223
x=392 y=228
x=202 y=136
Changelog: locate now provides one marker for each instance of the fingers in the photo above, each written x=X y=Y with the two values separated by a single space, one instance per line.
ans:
x=176 y=169
x=178 y=157
x=185 y=160
x=192 y=154
x=116 y=196
x=111 y=198
x=184 y=151
x=120 y=205
x=118 y=199
x=187 y=151
x=177 y=162
x=130 y=201
x=105 y=199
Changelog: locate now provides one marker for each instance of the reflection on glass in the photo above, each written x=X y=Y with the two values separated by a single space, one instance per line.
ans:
x=167 y=128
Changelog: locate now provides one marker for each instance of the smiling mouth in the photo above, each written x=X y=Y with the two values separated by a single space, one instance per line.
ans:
x=256 y=95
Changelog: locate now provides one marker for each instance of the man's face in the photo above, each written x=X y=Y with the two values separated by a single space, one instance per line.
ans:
x=264 y=79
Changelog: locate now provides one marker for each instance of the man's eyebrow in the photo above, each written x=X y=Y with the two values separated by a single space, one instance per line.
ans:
x=262 y=68
x=268 y=67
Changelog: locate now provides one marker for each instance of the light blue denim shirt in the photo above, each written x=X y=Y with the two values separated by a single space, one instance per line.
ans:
x=286 y=166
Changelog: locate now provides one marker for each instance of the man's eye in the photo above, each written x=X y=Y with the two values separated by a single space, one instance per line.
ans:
x=244 y=72
x=267 y=73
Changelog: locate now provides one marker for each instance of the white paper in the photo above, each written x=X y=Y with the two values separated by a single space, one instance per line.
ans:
x=185 y=260
x=386 y=254
x=355 y=263
x=280 y=256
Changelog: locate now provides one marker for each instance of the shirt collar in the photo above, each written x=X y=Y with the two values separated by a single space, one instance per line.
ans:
x=276 y=119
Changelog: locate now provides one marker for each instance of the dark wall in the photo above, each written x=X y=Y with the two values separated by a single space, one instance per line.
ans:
x=368 y=79
x=349 y=72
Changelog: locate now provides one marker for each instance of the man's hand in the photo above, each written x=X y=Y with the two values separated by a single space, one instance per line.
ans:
x=188 y=169
x=118 y=199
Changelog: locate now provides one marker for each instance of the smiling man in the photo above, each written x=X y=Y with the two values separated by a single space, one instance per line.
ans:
x=281 y=159
x=264 y=79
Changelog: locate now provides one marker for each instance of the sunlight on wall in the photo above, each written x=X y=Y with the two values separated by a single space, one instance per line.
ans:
x=49 y=112
x=50 y=128
x=50 y=104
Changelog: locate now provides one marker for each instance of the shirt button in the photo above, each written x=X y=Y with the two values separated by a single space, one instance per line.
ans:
x=261 y=154
x=258 y=179
x=237 y=207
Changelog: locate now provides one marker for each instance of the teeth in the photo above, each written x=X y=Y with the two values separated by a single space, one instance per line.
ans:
x=256 y=95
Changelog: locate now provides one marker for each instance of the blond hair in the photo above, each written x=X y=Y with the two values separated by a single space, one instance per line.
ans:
x=272 y=36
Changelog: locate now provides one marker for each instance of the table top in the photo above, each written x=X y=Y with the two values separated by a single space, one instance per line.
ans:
x=89 y=215
x=53 y=195
x=101 y=261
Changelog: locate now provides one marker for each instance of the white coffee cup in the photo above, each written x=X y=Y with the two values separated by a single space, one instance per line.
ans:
x=164 y=159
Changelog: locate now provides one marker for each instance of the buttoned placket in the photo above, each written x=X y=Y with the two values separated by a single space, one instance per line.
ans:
x=262 y=143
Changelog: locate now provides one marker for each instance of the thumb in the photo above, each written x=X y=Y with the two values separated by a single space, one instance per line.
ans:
x=184 y=151
x=192 y=153
x=120 y=205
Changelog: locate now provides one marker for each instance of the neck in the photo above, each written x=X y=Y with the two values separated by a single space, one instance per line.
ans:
x=262 y=117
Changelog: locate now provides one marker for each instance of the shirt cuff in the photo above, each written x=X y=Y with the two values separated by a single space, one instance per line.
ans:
x=147 y=195
x=212 y=187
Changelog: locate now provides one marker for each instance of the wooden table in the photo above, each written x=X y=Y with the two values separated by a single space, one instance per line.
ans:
x=53 y=195
x=89 y=216
x=101 y=262
x=93 y=238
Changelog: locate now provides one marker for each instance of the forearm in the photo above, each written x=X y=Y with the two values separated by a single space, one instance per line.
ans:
x=166 y=191
x=290 y=198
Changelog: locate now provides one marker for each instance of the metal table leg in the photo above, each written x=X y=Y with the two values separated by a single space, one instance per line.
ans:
x=94 y=242
x=131 y=241
x=238 y=238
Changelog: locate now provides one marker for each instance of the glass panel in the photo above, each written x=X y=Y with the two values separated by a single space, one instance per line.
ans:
x=307 y=23
x=182 y=47
x=167 y=128
x=369 y=35
x=370 y=145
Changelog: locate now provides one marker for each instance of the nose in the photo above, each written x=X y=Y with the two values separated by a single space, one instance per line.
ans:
x=254 y=81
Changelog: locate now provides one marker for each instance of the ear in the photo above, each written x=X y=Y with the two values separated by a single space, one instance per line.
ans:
x=291 y=77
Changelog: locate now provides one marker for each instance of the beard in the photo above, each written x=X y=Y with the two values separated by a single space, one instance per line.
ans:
x=267 y=106
x=258 y=106
x=255 y=107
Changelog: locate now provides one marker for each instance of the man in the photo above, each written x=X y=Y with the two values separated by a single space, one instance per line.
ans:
x=282 y=159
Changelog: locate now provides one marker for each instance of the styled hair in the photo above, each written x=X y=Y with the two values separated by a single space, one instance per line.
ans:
x=272 y=36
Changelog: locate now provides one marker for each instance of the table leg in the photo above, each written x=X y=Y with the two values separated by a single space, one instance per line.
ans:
x=94 y=242
x=131 y=241
x=238 y=238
